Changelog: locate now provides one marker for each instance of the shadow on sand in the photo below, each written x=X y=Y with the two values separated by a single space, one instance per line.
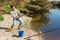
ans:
x=18 y=36
x=3 y=28
x=15 y=36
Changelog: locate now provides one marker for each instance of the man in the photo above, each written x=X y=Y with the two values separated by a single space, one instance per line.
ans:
x=15 y=15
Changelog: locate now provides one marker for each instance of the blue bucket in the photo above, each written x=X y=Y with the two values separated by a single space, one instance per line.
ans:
x=20 y=33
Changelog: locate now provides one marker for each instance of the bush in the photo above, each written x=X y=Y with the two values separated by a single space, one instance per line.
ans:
x=28 y=6
x=1 y=18
x=6 y=8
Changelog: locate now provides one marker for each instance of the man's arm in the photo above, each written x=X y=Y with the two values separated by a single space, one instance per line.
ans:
x=19 y=13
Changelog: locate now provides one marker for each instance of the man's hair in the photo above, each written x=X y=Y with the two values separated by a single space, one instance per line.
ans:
x=11 y=6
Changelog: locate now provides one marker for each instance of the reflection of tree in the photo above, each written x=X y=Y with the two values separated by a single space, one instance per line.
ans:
x=38 y=21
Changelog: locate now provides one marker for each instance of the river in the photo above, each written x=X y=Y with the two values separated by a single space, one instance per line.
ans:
x=52 y=30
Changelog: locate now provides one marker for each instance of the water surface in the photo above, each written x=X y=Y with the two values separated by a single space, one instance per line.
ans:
x=53 y=28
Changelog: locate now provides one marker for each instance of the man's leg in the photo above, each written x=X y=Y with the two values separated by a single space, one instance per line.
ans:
x=14 y=22
x=19 y=23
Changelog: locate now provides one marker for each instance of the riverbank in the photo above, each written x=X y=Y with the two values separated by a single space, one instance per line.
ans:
x=4 y=35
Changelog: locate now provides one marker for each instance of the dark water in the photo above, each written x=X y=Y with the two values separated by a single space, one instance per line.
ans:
x=48 y=24
x=52 y=30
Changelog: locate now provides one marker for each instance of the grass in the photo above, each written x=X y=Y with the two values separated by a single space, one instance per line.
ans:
x=1 y=18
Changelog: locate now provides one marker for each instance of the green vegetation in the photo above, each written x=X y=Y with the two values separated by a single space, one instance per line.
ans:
x=26 y=6
x=6 y=8
x=1 y=18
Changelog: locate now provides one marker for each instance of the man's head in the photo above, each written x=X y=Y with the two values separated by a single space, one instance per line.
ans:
x=12 y=7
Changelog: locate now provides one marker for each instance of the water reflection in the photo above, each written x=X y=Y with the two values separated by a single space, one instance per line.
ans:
x=39 y=20
x=54 y=26
x=56 y=7
x=51 y=22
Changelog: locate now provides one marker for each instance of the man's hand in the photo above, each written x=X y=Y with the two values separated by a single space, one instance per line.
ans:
x=20 y=15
